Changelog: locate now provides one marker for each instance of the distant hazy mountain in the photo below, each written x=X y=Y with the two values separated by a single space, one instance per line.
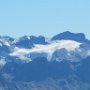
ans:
x=38 y=63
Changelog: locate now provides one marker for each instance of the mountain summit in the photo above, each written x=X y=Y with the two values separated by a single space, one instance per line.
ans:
x=35 y=63
x=80 y=37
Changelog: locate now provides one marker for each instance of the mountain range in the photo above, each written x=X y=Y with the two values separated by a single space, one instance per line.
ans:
x=61 y=62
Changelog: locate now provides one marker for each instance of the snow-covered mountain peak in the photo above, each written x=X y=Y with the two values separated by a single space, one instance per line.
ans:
x=31 y=59
x=47 y=49
x=4 y=41
x=67 y=45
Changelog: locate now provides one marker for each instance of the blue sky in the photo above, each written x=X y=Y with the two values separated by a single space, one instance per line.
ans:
x=44 y=17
